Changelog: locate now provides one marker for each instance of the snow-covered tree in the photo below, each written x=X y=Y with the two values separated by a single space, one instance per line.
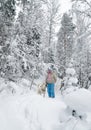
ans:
x=70 y=79
x=65 y=42
x=53 y=18
x=81 y=48
x=26 y=40
x=7 y=14
x=84 y=7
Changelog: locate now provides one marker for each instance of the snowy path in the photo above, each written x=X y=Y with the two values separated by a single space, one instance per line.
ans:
x=45 y=112
x=30 y=112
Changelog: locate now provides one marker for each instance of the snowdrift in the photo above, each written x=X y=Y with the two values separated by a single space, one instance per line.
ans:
x=79 y=100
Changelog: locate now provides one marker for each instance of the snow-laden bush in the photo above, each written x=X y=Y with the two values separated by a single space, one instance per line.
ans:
x=10 y=87
x=70 y=81
x=70 y=71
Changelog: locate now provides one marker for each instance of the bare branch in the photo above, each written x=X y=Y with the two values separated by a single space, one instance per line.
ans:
x=84 y=12
x=87 y=3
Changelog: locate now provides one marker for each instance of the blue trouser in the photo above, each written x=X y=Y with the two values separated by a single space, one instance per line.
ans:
x=50 y=90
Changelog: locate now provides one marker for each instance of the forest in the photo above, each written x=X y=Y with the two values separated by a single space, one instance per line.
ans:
x=35 y=36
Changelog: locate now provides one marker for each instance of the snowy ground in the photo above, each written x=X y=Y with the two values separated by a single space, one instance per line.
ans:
x=31 y=111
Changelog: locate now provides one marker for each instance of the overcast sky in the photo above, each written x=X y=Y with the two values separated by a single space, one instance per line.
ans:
x=65 y=5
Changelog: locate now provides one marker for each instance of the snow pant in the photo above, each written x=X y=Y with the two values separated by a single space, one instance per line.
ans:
x=50 y=90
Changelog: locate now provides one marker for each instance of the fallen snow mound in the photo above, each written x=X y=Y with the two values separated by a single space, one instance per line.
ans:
x=73 y=80
x=70 y=71
x=79 y=100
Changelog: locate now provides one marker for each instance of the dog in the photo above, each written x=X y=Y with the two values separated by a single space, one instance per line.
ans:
x=42 y=89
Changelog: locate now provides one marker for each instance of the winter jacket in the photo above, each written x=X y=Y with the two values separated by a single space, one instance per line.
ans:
x=51 y=78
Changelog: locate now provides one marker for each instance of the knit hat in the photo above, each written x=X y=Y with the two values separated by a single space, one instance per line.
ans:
x=49 y=70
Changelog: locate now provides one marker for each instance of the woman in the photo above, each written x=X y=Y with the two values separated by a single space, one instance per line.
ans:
x=50 y=80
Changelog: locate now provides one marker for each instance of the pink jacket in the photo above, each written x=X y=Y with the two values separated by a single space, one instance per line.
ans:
x=51 y=78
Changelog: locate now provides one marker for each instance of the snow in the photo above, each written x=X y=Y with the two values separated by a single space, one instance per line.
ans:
x=10 y=118
x=70 y=71
x=73 y=80
x=30 y=111
x=20 y=87
x=79 y=100
x=75 y=124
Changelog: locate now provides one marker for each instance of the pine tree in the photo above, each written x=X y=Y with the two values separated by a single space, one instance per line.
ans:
x=65 y=42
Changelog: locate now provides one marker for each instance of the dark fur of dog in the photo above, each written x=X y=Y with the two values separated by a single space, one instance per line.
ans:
x=42 y=89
